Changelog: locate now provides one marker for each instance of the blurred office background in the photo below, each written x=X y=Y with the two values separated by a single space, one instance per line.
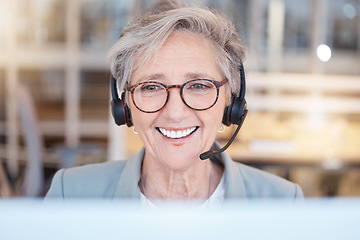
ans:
x=303 y=90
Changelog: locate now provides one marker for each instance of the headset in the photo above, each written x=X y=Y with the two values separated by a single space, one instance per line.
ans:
x=235 y=113
x=119 y=109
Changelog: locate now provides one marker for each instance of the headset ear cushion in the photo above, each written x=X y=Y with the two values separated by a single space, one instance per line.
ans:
x=238 y=111
x=121 y=112
x=118 y=111
x=235 y=111
x=227 y=113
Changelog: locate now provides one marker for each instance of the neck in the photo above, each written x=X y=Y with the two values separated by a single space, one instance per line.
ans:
x=196 y=182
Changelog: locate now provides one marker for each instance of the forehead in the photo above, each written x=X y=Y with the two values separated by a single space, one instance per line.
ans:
x=182 y=54
x=181 y=40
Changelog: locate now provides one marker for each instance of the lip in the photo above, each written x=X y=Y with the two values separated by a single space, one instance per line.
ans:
x=176 y=134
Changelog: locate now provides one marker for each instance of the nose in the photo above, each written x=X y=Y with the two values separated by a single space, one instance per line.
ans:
x=175 y=109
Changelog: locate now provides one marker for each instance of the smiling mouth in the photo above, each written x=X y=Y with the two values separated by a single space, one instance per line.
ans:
x=177 y=134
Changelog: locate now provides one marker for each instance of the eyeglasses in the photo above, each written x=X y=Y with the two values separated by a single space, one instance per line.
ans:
x=197 y=94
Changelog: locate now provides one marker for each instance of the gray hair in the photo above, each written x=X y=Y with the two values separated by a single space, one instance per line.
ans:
x=147 y=33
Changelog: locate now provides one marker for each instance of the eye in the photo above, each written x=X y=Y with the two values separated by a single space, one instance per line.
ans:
x=199 y=85
x=151 y=87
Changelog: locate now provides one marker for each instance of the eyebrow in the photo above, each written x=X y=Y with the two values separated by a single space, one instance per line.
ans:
x=151 y=77
x=196 y=75
x=161 y=76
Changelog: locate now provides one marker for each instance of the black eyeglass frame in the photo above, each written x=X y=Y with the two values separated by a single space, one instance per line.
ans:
x=217 y=84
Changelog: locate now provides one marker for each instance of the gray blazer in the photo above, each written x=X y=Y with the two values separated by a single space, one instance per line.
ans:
x=120 y=180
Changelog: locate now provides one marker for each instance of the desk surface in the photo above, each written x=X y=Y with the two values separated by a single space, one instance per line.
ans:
x=313 y=219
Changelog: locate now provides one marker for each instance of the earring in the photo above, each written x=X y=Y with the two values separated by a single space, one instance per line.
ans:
x=135 y=131
x=222 y=129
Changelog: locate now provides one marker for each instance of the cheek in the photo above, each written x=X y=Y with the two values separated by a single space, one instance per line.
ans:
x=223 y=101
x=140 y=120
x=144 y=125
x=215 y=114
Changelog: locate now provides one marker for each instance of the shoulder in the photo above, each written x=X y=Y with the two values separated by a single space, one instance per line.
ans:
x=260 y=184
x=102 y=180
x=243 y=181
x=93 y=180
x=97 y=170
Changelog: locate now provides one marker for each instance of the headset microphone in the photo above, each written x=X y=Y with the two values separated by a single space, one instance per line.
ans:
x=235 y=113
x=212 y=153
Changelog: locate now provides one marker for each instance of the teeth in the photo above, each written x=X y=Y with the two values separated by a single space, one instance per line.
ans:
x=177 y=134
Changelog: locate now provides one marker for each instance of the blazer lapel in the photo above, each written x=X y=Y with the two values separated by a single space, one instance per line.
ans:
x=127 y=186
x=234 y=183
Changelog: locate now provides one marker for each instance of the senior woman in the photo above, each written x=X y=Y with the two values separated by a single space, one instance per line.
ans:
x=178 y=69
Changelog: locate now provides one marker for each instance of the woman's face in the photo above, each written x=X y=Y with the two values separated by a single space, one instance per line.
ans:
x=183 y=57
